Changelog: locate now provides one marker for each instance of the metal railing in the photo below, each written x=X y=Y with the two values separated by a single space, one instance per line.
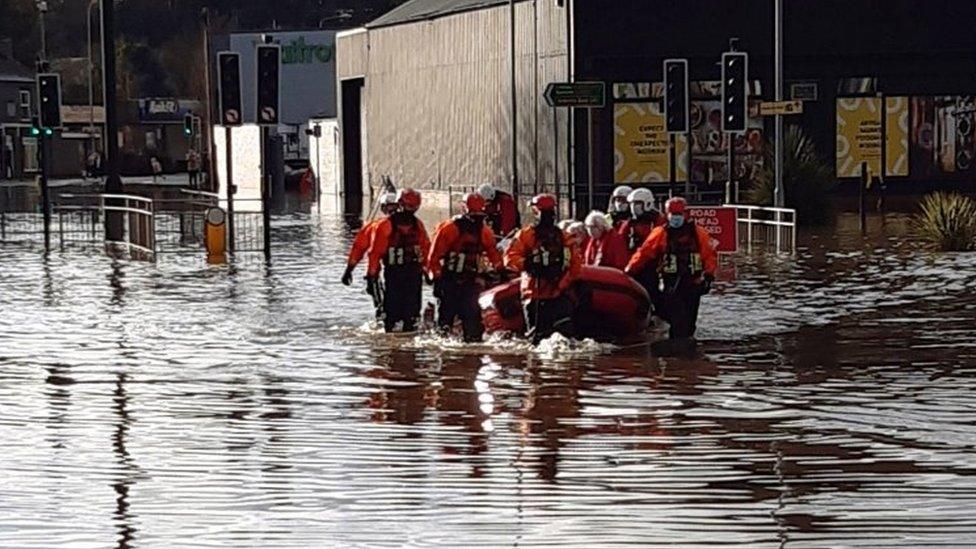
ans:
x=768 y=227
x=138 y=219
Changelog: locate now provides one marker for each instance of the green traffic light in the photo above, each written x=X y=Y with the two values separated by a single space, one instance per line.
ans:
x=187 y=131
x=35 y=131
x=48 y=131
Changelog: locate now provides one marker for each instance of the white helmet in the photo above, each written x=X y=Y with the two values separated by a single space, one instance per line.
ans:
x=618 y=198
x=641 y=201
x=388 y=199
x=488 y=191
x=596 y=224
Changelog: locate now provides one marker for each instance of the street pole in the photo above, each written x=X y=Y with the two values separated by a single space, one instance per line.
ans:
x=42 y=8
x=42 y=154
x=91 y=86
x=672 y=166
x=514 y=100
x=113 y=183
x=265 y=193
x=318 y=169
x=779 y=195
x=231 y=189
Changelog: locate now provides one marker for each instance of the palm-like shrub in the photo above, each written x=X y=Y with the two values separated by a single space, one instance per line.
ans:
x=948 y=221
x=807 y=179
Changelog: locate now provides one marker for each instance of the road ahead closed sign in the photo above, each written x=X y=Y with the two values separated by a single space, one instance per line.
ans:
x=721 y=225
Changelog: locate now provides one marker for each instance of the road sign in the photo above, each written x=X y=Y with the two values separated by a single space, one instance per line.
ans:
x=576 y=94
x=721 y=224
x=772 y=108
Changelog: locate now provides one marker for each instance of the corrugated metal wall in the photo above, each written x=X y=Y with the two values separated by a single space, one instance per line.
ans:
x=437 y=104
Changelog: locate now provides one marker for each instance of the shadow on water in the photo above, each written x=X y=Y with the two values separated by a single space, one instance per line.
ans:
x=829 y=404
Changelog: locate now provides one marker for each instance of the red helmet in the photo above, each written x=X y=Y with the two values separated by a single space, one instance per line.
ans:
x=473 y=203
x=676 y=205
x=543 y=203
x=409 y=199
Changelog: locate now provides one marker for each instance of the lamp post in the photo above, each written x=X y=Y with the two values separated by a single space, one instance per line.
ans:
x=779 y=193
x=91 y=70
x=42 y=8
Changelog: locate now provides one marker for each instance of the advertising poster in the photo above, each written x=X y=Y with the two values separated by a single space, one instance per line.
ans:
x=896 y=136
x=709 y=159
x=640 y=145
x=858 y=135
x=941 y=136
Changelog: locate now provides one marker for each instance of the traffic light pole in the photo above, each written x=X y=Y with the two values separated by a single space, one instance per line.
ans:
x=265 y=193
x=231 y=189
x=113 y=183
x=673 y=166
x=42 y=153
x=730 y=193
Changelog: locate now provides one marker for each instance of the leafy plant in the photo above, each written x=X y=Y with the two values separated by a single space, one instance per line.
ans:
x=807 y=179
x=948 y=221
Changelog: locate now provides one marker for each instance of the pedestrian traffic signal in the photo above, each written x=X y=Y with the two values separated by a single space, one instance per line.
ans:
x=735 y=91
x=676 y=95
x=49 y=92
x=229 y=88
x=188 y=124
x=269 y=65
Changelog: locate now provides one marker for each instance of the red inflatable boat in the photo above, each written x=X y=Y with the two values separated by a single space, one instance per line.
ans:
x=611 y=306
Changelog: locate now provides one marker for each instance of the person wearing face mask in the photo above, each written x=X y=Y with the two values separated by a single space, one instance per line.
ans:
x=618 y=210
x=606 y=248
x=683 y=256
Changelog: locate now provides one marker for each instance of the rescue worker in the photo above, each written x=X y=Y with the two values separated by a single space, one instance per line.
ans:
x=457 y=265
x=501 y=209
x=546 y=258
x=360 y=246
x=683 y=254
x=644 y=218
x=618 y=210
x=400 y=244
x=607 y=247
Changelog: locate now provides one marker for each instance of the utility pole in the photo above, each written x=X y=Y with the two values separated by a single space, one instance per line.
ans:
x=779 y=199
x=514 y=100
x=113 y=183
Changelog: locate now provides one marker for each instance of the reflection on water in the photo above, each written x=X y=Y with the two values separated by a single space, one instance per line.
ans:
x=180 y=404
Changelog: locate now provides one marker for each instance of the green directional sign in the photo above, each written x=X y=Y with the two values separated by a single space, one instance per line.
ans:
x=576 y=94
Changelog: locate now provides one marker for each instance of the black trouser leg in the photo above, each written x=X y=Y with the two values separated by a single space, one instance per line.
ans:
x=681 y=306
x=544 y=317
x=401 y=297
x=447 y=303
x=470 y=311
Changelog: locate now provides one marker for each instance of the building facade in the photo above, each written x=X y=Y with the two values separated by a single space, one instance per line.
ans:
x=429 y=97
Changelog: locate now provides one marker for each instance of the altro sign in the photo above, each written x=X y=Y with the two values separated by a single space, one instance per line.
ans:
x=297 y=52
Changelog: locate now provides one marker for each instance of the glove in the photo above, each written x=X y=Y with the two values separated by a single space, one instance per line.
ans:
x=706 y=284
x=347 y=276
x=427 y=279
x=372 y=285
x=438 y=288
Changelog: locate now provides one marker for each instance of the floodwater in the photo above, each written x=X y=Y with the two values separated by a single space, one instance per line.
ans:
x=183 y=405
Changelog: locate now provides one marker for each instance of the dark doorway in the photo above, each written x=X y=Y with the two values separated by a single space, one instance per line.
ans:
x=352 y=146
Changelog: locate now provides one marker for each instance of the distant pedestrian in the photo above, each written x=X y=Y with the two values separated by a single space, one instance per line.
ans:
x=193 y=167
x=157 y=168
x=93 y=164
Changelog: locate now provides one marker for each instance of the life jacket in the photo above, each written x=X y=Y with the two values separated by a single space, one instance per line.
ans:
x=638 y=229
x=404 y=247
x=465 y=255
x=550 y=257
x=683 y=258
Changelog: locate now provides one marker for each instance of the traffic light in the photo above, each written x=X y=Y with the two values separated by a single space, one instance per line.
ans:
x=269 y=65
x=49 y=92
x=676 y=95
x=35 y=127
x=735 y=91
x=188 y=124
x=229 y=86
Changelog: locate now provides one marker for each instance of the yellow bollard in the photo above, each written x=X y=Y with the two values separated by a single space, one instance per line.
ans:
x=215 y=236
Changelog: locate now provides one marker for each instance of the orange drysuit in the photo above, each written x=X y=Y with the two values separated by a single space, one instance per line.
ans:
x=408 y=242
x=664 y=242
x=548 y=268
x=461 y=243
x=360 y=244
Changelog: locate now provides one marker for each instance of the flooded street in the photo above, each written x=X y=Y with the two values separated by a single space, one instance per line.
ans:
x=179 y=404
